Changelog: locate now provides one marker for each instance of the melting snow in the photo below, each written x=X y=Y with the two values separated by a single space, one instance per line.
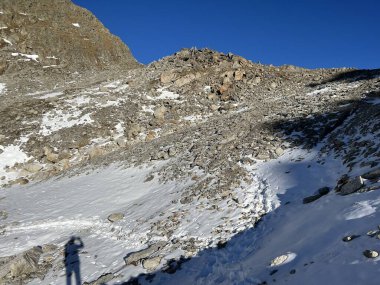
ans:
x=58 y=119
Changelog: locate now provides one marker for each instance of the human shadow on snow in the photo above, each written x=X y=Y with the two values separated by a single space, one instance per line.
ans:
x=72 y=261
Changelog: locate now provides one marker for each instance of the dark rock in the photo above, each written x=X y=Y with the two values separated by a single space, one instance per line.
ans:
x=350 y=238
x=372 y=175
x=370 y=253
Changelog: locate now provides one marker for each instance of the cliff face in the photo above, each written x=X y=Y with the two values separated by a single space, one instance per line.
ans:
x=56 y=34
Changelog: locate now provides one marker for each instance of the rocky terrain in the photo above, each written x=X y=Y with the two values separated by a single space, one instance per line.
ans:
x=157 y=163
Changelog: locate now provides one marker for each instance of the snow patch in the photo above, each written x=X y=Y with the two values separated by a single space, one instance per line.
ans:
x=7 y=41
x=3 y=88
x=9 y=156
x=76 y=25
x=164 y=95
x=55 y=120
x=48 y=66
x=28 y=56
x=361 y=209
x=50 y=95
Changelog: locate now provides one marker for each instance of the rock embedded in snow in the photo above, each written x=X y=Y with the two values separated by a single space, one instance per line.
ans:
x=372 y=233
x=321 y=192
x=279 y=260
x=372 y=175
x=350 y=238
x=25 y=263
x=279 y=151
x=136 y=257
x=370 y=253
x=33 y=167
x=115 y=217
x=352 y=186
x=152 y=263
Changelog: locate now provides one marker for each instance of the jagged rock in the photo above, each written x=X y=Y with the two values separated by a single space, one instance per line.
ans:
x=95 y=152
x=25 y=263
x=352 y=186
x=168 y=76
x=115 y=217
x=150 y=136
x=159 y=113
x=121 y=142
x=136 y=257
x=3 y=215
x=21 y=181
x=256 y=80
x=152 y=263
x=370 y=253
x=372 y=175
x=321 y=192
x=103 y=279
x=33 y=167
x=186 y=79
x=133 y=131
x=239 y=75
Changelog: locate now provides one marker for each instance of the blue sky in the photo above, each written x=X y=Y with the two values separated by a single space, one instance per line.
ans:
x=318 y=33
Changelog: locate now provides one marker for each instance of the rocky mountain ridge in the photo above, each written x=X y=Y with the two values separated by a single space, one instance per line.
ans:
x=41 y=38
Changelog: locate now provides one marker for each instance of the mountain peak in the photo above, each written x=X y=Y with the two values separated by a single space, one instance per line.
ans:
x=56 y=34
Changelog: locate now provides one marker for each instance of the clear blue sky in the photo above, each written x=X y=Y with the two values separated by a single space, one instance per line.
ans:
x=308 y=33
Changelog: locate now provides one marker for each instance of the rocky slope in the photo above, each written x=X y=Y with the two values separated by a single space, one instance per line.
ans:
x=41 y=37
x=177 y=146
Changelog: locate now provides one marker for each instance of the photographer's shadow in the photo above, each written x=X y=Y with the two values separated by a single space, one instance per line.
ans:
x=72 y=262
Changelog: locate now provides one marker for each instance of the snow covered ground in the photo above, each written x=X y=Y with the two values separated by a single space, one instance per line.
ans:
x=305 y=240
x=295 y=244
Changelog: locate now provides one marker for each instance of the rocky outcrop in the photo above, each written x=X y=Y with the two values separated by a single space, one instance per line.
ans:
x=44 y=36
